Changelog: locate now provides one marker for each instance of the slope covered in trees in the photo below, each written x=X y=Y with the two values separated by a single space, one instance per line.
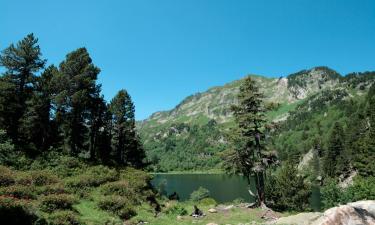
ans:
x=301 y=107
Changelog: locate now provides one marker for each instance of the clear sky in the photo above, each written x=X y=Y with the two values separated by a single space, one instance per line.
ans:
x=164 y=50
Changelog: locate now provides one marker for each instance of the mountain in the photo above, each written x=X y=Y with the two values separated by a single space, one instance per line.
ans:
x=192 y=135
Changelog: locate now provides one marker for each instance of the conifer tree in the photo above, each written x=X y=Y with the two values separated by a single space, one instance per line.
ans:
x=125 y=141
x=21 y=61
x=335 y=149
x=250 y=156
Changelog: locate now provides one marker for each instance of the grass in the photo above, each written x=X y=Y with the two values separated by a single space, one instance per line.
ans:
x=235 y=215
x=91 y=215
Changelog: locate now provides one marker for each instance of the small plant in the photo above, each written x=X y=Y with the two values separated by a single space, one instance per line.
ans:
x=65 y=217
x=176 y=210
x=17 y=211
x=208 y=202
x=54 y=202
x=199 y=194
x=19 y=191
x=6 y=176
x=117 y=205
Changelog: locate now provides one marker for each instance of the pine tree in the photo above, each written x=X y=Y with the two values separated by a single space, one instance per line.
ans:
x=249 y=154
x=36 y=124
x=335 y=149
x=76 y=92
x=22 y=62
x=125 y=141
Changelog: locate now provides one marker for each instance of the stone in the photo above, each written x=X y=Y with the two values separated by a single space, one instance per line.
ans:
x=355 y=213
x=212 y=210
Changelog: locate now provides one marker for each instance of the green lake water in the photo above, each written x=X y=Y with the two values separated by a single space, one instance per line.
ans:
x=223 y=188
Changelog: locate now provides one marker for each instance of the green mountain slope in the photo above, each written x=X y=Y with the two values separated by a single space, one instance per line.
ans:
x=192 y=135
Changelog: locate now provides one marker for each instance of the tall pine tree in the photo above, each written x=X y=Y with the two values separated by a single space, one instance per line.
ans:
x=21 y=61
x=249 y=155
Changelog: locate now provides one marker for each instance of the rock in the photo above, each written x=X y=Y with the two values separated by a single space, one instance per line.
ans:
x=361 y=212
x=228 y=207
x=212 y=210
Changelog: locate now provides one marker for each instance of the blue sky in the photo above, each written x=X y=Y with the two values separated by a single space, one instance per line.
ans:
x=164 y=50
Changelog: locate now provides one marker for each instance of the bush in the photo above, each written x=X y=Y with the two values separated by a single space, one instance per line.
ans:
x=117 y=205
x=52 y=189
x=208 y=202
x=8 y=156
x=6 y=176
x=92 y=177
x=37 y=178
x=64 y=218
x=54 y=202
x=286 y=190
x=18 y=212
x=19 y=191
x=362 y=189
x=176 y=210
x=331 y=194
x=199 y=194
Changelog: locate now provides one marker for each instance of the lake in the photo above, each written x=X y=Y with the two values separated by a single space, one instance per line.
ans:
x=223 y=187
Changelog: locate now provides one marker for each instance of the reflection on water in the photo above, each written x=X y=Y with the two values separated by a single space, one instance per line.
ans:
x=222 y=187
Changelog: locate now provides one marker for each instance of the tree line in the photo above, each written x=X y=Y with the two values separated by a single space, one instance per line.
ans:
x=61 y=108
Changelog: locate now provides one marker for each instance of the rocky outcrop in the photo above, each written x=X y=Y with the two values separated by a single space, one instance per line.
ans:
x=356 y=213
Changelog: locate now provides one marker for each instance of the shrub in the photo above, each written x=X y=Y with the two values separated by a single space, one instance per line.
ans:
x=176 y=210
x=137 y=179
x=52 y=189
x=50 y=203
x=17 y=212
x=362 y=189
x=65 y=217
x=199 y=194
x=6 y=176
x=117 y=205
x=286 y=190
x=8 y=156
x=37 y=178
x=121 y=188
x=92 y=177
x=19 y=191
x=331 y=194
x=208 y=202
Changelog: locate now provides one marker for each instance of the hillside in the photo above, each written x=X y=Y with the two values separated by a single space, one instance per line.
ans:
x=192 y=135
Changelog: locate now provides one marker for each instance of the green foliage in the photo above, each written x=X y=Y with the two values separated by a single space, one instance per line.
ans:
x=335 y=149
x=331 y=193
x=176 y=209
x=117 y=205
x=64 y=217
x=17 y=212
x=208 y=201
x=61 y=109
x=19 y=191
x=6 y=176
x=183 y=146
x=92 y=177
x=199 y=194
x=287 y=190
x=53 y=202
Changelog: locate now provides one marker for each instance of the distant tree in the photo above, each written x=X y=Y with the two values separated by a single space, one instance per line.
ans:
x=334 y=150
x=21 y=61
x=249 y=155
